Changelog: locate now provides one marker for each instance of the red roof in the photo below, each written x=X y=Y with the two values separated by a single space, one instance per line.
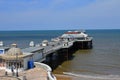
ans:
x=72 y=32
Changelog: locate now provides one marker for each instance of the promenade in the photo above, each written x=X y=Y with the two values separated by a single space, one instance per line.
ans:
x=32 y=74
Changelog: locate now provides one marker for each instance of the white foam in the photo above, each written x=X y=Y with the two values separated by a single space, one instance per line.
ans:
x=104 y=77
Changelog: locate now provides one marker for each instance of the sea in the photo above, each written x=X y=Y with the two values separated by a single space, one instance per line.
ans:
x=100 y=62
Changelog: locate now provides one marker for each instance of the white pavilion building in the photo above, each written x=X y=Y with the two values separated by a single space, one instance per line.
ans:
x=18 y=60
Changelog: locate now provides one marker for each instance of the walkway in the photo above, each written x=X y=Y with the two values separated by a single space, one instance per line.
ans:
x=32 y=74
x=9 y=77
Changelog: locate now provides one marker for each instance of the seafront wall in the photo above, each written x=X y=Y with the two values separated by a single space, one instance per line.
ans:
x=47 y=68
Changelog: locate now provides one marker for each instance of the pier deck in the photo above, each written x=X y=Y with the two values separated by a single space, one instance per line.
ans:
x=52 y=47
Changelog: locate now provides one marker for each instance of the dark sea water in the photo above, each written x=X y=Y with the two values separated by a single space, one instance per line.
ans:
x=23 y=38
x=103 y=60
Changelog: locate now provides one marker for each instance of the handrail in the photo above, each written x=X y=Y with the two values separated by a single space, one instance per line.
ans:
x=48 y=69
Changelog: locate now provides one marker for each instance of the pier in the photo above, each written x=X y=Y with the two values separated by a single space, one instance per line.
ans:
x=54 y=52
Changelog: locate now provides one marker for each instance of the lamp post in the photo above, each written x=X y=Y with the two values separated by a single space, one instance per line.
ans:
x=16 y=64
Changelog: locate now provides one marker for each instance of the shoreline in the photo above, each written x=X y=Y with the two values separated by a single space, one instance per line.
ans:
x=71 y=77
x=63 y=77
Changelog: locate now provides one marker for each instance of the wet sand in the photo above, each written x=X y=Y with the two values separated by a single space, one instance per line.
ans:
x=62 y=77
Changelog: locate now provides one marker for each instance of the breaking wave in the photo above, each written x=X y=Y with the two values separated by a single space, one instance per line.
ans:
x=102 y=77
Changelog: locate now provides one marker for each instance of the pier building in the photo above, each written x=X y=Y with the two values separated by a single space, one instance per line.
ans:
x=15 y=59
x=80 y=39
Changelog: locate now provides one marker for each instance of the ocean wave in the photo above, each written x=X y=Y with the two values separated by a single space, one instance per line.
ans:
x=102 y=77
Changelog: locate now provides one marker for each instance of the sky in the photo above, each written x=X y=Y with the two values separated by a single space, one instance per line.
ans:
x=59 y=14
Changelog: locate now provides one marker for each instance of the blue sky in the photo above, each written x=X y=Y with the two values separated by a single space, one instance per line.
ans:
x=59 y=14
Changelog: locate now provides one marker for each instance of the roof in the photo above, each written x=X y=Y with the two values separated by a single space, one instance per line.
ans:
x=6 y=57
x=45 y=41
x=32 y=49
x=74 y=34
x=14 y=51
x=5 y=48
